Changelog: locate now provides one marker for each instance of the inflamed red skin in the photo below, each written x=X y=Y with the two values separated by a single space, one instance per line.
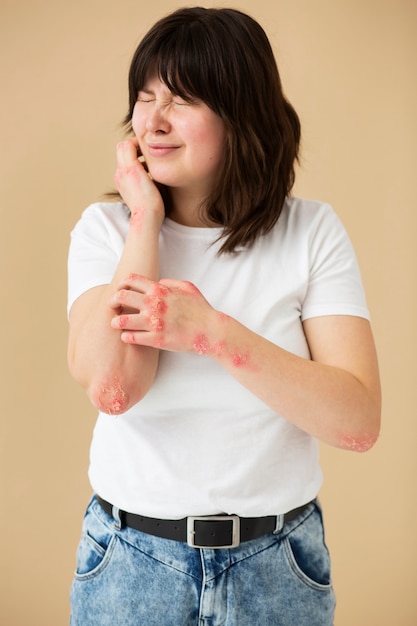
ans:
x=111 y=398
x=174 y=315
x=202 y=346
x=360 y=444
x=167 y=312
x=136 y=219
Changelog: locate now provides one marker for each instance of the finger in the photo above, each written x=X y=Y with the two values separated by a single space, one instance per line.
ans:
x=127 y=152
x=138 y=282
x=125 y=299
x=138 y=323
x=182 y=286
x=127 y=322
x=142 y=338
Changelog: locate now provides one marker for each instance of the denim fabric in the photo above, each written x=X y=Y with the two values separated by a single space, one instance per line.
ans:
x=128 y=578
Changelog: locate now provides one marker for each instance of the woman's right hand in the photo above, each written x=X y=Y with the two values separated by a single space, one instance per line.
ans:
x=134 y=183
x=116 y=375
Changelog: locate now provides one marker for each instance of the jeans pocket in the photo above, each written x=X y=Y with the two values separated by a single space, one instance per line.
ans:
x=307 y=553
x=95 y=548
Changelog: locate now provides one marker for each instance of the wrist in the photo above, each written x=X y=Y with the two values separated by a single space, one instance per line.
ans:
x=141 y=218
x=231 y=344
x=214 y=341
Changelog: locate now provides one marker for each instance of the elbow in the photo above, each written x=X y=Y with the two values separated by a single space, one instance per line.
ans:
x=360 y=444
x=112 y=396
x=368 y=425
x=114 y=390
x=362 y=441
x=109 y=397
x=115 y=395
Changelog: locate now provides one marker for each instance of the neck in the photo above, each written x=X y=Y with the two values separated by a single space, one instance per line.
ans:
x=186 y=210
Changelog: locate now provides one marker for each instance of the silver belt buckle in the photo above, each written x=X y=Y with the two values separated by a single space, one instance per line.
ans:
x=214 y=518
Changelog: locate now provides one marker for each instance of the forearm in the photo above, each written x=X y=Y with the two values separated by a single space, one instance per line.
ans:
x=334 y=396
x=324 y=400
x=115 y=375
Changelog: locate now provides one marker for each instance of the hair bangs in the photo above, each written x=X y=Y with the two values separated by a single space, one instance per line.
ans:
x=181 y=66
x=179 y=58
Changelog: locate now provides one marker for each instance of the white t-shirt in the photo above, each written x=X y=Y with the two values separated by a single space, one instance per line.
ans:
x=199 y=443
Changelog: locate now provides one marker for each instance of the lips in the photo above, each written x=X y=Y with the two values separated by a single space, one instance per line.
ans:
x=161 y=149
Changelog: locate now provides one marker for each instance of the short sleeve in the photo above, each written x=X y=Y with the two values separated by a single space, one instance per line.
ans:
x=335 y=285
x=96 y=245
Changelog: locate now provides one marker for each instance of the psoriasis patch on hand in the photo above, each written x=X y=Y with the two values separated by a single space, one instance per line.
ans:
x=157 y=322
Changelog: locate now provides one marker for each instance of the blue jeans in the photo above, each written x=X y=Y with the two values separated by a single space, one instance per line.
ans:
x=128 y=578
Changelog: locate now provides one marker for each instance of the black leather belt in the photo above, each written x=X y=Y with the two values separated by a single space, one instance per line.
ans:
x=214 y=531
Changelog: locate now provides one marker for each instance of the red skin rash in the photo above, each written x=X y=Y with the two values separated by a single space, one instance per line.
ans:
x=156 y=304
x=240 y=359
x=362 y=445
x=157 y=322
x=158 y=308
x=122 y=321
x=201 y=345
x=160 y=290
x=113 y=400
x=136 y=219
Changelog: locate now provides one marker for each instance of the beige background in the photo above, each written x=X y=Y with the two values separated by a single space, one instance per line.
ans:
x=349 y=66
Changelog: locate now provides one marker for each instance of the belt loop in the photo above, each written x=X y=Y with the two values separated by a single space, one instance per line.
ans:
x=116 y=516
x=279 y=524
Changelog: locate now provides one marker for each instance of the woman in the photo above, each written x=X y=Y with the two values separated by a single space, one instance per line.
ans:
x=220 y=327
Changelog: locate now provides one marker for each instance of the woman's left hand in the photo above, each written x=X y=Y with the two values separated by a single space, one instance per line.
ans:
x=169 y=314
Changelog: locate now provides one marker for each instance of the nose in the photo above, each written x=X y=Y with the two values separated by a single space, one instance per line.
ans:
x=157 y=119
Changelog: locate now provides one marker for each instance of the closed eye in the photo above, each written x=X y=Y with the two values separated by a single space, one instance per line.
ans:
x=180 y=102
x=145 y=96
x=145 y=99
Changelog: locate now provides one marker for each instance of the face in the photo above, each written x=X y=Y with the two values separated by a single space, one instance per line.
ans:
x=183 y=143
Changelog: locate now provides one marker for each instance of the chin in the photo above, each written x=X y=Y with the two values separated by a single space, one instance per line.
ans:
x=166 y=181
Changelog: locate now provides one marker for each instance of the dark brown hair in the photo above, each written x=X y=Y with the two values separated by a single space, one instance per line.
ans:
x=223 y=58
